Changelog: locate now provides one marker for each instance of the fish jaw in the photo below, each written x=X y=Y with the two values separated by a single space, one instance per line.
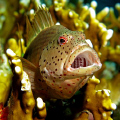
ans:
x=83 y=61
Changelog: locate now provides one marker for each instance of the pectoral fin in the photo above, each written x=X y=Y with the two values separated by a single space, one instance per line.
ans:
x=30 y=69
x=38 y=86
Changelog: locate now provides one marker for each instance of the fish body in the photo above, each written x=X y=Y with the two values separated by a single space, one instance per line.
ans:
x=58 y=61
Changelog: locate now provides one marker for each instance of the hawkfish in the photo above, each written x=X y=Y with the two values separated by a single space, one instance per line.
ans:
x=58 y=61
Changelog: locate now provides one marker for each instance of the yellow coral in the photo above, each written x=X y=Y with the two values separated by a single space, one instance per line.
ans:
x=65 y=15
x=113 y=86
x=97 y=32
x=84 y=18
x=22 y=100
x=5 y=78
x=97 y=104
x=18 y=48
x=112 y=19
x=98 y=101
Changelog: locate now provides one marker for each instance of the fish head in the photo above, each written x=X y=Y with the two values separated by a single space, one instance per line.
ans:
x=67 y=62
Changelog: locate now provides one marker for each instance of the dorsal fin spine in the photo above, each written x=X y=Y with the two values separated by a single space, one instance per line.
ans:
x=42 y=20
x=34 y=29
x=51 y=20
x=45 y=13
x=38 y=24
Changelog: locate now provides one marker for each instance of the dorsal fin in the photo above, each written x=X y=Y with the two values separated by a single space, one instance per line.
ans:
x=42 y=19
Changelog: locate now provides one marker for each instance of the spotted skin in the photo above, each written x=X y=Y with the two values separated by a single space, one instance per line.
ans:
x=56 y=78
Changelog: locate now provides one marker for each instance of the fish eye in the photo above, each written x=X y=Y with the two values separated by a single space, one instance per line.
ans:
x=62 y=40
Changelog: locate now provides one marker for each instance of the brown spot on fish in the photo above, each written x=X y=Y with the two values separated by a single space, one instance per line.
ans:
x=66 y=52
x=61 y=91
x=68 y=85
x=49 y=46
x=82 y=83
x=42 y=71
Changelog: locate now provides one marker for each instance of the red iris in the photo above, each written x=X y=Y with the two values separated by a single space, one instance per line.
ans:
x=62 y=40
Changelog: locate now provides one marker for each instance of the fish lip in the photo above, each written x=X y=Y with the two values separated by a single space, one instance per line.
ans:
x=93 y=64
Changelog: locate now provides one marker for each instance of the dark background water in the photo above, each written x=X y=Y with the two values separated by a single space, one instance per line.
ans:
x=102 y=4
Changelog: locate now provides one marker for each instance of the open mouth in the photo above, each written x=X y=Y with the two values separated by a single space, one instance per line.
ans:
x=83 y=60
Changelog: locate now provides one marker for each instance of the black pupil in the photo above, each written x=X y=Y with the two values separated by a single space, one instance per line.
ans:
x=62 y=40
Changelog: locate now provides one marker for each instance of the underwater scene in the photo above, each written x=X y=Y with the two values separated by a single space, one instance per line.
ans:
x=59 y=60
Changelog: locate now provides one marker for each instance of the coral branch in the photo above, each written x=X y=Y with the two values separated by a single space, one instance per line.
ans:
x=22 y=102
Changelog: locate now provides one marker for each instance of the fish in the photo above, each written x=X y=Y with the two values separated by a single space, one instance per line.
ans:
x=58 y=61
